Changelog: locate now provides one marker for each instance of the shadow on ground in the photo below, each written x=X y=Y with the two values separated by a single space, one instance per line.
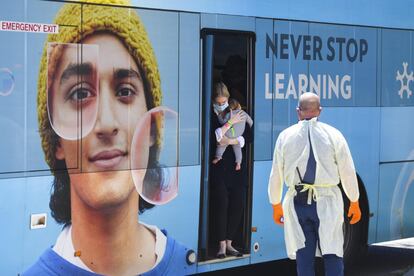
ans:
x=379 y=261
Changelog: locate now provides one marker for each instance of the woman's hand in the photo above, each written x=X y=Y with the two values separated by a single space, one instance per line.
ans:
x=228 y=141
x=237 y=118
x=234 y=119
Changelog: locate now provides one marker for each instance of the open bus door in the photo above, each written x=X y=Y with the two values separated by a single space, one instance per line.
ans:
x=228 y=56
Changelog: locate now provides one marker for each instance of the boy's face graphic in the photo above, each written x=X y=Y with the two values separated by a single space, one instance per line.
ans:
x=110 y=90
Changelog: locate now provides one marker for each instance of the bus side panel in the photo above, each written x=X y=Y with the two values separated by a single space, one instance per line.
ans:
x=37 y=11
x=19 y=72
x=20 y=147
x=396 y=191
x=397 y=146
x=271 y=117
x=177 y=51
x=396 y=131
x=180 y=216
x=397 y=128
x=269 y=236
x=396 y=197
x=12 y=93
x=287 y=69
x=349 y=69
x=189 y=95
x=396 y=179
x=227 y=22
x=361 y=129
x=13 y=225
x=397 y=49
x=263 y=142
x=37 y=202
x=383 y=13
x=162 y=29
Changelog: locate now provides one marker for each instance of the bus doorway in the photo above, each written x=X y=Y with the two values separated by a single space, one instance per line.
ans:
x=226 y=193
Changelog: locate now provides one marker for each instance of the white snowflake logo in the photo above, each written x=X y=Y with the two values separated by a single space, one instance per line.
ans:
x=405 y=85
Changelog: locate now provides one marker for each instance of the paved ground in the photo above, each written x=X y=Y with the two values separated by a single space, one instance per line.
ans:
x=386 y=259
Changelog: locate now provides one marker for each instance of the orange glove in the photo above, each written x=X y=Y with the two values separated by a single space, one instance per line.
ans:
x=278 y=213
x=355 y=212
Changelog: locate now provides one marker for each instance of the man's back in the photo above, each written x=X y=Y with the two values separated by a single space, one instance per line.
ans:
x=327 y=144
x=312 y=157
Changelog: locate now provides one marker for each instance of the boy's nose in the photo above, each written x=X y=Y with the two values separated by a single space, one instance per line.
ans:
x=106 y=123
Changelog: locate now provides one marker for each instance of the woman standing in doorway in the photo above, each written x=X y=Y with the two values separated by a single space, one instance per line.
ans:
x=227 y=189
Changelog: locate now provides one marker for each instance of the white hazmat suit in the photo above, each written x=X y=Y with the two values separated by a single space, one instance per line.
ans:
x=333 y=165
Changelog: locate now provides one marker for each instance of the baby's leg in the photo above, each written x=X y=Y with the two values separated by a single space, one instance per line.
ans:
x=238 y=154
x=219 y=153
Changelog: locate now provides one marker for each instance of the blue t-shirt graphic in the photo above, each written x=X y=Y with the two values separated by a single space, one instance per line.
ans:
x=174 y=262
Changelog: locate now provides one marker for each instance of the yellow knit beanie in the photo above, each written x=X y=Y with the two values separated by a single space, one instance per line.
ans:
x=122 y=22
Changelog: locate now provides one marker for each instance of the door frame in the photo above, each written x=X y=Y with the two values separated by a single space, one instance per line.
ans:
x=206 y=68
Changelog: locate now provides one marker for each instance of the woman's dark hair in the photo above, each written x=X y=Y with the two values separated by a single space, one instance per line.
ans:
x=59 y=203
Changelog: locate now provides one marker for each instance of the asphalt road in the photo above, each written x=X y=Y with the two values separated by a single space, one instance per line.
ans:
x=380 y=261
x=387 y=261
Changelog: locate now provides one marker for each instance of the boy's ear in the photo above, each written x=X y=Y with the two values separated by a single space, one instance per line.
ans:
x=60 y=153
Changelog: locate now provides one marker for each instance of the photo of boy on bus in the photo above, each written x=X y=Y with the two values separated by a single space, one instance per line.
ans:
x=108 y=90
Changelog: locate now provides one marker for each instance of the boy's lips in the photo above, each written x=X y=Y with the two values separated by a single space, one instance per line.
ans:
x=108 y=159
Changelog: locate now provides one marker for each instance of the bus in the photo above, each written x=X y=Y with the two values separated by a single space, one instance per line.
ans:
x=358 y=57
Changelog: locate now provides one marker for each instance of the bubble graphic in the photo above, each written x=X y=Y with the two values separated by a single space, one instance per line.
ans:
x=156 y=183
x=72 y=113
x=6 y=82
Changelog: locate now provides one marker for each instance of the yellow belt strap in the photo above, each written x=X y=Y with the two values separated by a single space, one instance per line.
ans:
x=313 y=192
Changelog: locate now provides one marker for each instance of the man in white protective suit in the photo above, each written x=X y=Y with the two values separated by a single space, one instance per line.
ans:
x=312 y=158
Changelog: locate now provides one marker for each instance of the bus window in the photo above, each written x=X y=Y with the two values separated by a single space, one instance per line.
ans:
x=225 y=211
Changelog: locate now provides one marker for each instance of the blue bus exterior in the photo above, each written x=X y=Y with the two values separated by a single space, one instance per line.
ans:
x=357 y=56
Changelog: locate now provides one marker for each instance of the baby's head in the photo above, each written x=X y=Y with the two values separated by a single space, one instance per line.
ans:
x=234 y=104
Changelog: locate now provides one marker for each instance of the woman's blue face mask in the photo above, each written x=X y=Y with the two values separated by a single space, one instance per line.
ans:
x=220 y=108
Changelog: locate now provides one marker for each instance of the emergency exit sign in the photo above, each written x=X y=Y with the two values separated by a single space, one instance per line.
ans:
x=13 y=26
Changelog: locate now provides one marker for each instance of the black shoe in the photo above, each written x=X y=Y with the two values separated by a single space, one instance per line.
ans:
x=234 y=253
x=221 y=256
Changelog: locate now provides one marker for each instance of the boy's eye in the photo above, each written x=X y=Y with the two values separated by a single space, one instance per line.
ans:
x=80 y=93
x=125 y=92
